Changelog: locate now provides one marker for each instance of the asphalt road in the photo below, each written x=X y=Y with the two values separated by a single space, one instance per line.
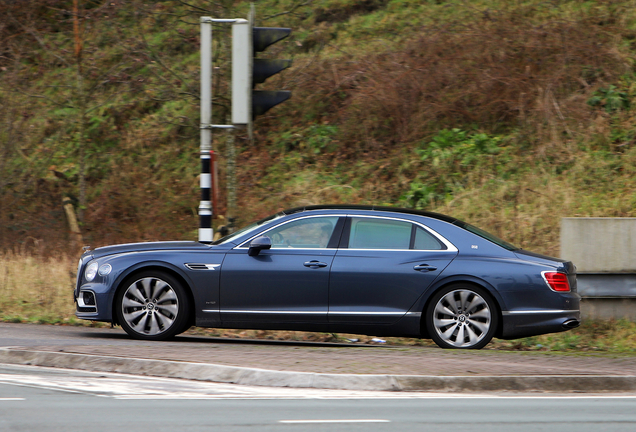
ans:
x=39 y=399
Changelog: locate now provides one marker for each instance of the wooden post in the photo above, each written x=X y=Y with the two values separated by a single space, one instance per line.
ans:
x=76 y=234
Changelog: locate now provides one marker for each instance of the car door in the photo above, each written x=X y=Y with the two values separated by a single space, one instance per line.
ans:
x=286 y=284
x=382 y=267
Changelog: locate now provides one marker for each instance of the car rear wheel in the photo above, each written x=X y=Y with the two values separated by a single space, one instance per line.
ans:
x=462 y=316
x=152 y=306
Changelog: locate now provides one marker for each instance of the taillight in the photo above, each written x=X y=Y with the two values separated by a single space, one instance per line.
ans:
x=557 y=281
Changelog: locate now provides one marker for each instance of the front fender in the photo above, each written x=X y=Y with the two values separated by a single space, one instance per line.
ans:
x=141 y=266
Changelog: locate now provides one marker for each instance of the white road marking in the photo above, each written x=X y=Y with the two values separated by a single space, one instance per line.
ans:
x=299 y=396
x=337 y=421
x=120 y=386
x=11 y=399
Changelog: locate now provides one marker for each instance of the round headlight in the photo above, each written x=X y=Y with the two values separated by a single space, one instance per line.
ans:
x=105 y=269
x=91 y=271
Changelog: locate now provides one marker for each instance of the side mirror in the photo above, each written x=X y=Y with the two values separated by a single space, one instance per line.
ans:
x=259 y=244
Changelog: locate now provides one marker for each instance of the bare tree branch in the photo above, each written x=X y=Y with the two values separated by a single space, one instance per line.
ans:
x=290 y=11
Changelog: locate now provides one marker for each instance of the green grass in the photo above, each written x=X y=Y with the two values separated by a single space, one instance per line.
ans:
x=594 y=336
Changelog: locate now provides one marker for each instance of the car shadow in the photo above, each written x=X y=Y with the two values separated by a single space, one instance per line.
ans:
x=188 y=339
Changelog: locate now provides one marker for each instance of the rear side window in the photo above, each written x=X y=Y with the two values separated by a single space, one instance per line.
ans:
x=377 y=233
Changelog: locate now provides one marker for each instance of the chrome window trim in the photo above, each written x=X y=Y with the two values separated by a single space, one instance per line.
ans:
x=243 y=245
x=545 y=311
x=449 y=246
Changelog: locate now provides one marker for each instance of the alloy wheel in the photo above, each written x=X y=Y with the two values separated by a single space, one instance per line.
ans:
x=150 y=306
x=462 y=318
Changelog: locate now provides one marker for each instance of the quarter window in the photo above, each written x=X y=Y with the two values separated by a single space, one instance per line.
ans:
x=375 y=233
x=426 y=241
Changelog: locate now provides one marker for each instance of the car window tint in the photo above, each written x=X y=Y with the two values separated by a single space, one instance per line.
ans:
x=246 y=230
x=426 y=241
x=370 y=233
x=309 y=233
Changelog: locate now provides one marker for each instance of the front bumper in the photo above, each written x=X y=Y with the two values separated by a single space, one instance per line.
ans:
x=93 y=302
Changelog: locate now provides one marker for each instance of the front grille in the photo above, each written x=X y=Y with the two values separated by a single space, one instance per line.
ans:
x=78 y=279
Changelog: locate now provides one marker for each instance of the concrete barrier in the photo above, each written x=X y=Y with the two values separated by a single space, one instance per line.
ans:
x=600 y=245
x=604 y=252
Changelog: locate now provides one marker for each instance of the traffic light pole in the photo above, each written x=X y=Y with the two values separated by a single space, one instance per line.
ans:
x=247 y=103
x=206 y=234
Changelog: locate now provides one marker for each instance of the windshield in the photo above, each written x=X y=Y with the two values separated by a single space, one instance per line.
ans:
x=251 y=227
x=483 y=234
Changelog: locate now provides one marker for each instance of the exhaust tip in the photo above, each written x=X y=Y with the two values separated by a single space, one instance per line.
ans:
x=571 y=324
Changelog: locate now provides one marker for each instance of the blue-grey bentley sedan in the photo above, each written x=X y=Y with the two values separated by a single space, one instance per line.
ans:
x=346 y=269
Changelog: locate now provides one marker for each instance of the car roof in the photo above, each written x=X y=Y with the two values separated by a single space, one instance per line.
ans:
x=370 y=208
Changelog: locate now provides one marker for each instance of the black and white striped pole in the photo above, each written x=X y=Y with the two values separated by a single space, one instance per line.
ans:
x=247 y=103
x=206 y=233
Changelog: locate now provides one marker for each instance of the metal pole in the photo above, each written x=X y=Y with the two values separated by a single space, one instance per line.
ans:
x=205 y=207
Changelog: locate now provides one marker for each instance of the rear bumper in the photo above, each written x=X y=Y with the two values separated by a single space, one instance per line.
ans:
x=522 y=323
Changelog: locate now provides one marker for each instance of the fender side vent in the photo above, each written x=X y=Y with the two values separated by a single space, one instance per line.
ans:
x=194 y=266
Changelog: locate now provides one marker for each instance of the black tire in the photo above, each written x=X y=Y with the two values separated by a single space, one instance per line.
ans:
x=462 y=317
x=152 y=305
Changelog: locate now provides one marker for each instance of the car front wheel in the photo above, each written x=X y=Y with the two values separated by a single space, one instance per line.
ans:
x=463 y=317
x=152 y=306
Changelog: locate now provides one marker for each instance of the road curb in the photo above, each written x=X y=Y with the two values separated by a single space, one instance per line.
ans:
x=263 y=377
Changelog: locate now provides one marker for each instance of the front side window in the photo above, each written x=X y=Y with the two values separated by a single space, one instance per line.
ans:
x=375 y=233
x=246 y=230
x=308 y=233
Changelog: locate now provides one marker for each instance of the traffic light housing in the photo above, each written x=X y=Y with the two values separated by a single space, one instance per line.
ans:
x=247 y=71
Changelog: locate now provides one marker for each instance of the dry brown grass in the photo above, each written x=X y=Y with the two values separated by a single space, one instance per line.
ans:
x=35 y=288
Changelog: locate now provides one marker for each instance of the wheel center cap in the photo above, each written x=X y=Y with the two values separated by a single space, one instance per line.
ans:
x=151 y=306
x=462 y=318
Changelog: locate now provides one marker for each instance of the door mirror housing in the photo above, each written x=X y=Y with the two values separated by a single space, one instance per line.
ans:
x=259 y=244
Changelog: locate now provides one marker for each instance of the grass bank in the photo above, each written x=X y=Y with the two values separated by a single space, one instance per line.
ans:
x=37 y=289
x=509 y=115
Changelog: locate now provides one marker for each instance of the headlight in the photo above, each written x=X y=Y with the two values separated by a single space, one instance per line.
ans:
x=91 y=271
x=105 y=269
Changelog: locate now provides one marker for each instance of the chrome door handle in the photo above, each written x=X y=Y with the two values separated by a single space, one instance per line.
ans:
x=314 y=264
x=424 y=268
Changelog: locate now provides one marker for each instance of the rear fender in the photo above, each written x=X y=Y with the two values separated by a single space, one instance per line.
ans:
x=422 y=304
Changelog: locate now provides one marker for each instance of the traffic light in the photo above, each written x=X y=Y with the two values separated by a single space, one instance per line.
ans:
x=247 y=71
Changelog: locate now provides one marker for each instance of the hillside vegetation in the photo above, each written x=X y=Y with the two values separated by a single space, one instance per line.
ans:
x=507 y=114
